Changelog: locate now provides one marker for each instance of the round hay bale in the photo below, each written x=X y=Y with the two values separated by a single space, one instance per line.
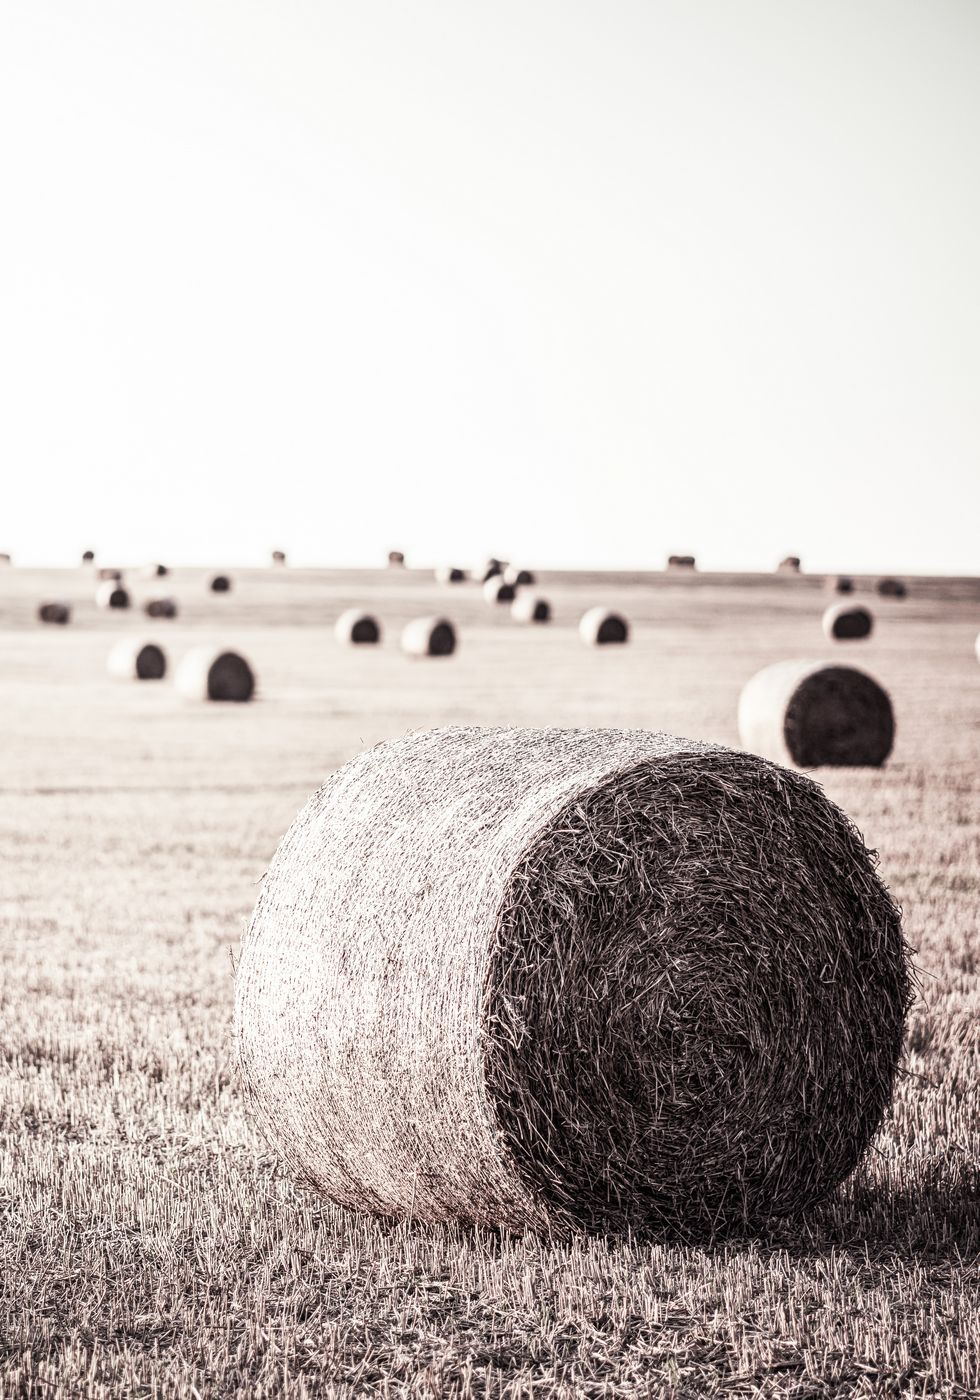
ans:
x=133 y=660
x=809 y=714
x=278 y=556
x=112 y=595
x=396 y=560
x=59 y=613
x=891 y=588
x=680 y=561
x=568 y=979
x=600 y=627
x=520 y=578
x=447 y=573
x=111 y=575
x=496 y=590
x=156 y=571
x=841 y=584
x=160 y=607
x=847 y=622
x=789 y=565
x=5 y=559
x=429 y=636
x=88 y=557
x=530 y=607
x=208 y=674
x=493 y=568
x=356 y=628
x=219 y=583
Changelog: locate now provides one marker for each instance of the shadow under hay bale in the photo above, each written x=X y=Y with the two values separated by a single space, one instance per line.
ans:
x=891 y=588
x=59 y=613
x=429 y=636
x=680 y=561
x=447 y=573
x=220 y=583
x=160 y=607
x=208 y=674
x=567 y=979
x=520 y=578
x=137 y=661
x=809 y=714
x=356 y=628
x=496 y=590
x=112 y=595
x=847 y=622
x=599 y=627
x=790 y=565
x=530 y=607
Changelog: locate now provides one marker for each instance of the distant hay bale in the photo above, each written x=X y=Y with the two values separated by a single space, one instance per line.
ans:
x=530 y=607
x=111 y=575
x=160 y=607
x=208 y=674
x=112 y=595
x=156 y=571
x=132 y=660
x=842 y=584
x=278 y=556
x=447 y=573
x=600 y=627
x=59 y=613
x=219 y=583
x=5 y=559
x=497 y=590
x=846 y=622
x=891 y=588
x=493 y=568
x=810 y=714
x=789 y=565
x=571 y=979
x=520 y=578
x=356 y=628
x=429 y=636
x=396 y=560
x=680 y=561
x=88 y=557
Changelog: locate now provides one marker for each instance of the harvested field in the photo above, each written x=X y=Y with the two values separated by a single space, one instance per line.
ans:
x=152 y=1243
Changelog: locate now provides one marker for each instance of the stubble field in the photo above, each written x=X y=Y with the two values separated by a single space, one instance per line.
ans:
x=149 y=1243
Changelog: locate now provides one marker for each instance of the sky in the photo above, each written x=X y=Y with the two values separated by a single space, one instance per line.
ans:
x=570 y=283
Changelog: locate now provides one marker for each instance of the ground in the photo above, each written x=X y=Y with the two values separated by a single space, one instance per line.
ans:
x=151 y=1245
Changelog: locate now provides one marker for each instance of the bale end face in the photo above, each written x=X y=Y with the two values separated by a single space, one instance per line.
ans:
x=112 y=595
x=220 y=583
x=599 y=627
x=891 y=588
x=528 y=607
x=356 y=628
x=497 y=590
x=429 y=636
x=810 y=715
x=160 y=607
x=137 y=661
x=847 y=622
x=58 y=613
x=206 y=674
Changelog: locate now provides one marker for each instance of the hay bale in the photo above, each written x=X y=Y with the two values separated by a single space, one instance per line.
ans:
x=789 y=565
x=497 y=590
x=530 y=607
x=448 y=573
x=493 y=568
x=429 y=636
x=568 y=979
x=891 y=588
x=133 y=660
x=847 y=622
x=396 y=560
x=88 y=556
x=356 y=628
x=520 y=578
x=208 y=674
x=59 y=613
x=278 y=556
x=219 y=583
x=680 y=561
x=810 y=714
x=600 y=627
x=842 y=584
x=160 y=607
x=156 y=571
x=111 y=575
x=5 y=559
x=112 y=595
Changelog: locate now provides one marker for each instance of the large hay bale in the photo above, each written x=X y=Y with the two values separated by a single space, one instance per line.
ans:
x=160 y=607
x=520 y=578
x=789 y=565
x=496 y=590
x=568 y=979
x=846 y=622
x=429 y=636
x=810 y=714
x=680 y=561
x=59 y=613
x=891 y=588
x=600 y=627
x=530 y=607
x=219 y=583
x=133 y=660
x=112 y=595
x=448 y=573
x=208 y=674
x=356 y=628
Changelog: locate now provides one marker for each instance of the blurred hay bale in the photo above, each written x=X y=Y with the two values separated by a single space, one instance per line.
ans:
x=396 y=560
x=571 y=979
x=429 y=636
x=111 y=594
x=5 y=559
x=600 y=627
x=530 y=607
x=680 y=561
x=160 y=607
x=111 y=575
x=59 y=613
x=841 y=584
x=448 y=573
x=219 y=583
x=810 y=714
x=356 y=628
x=520 y=578
x=88 y=556
x=493 y=568
x=156 y=571
x=891 y=588
x=845 y=622
x=789 y=565
x=496 y=590
x=209 y=674
x=278 y=556
x=134 y=660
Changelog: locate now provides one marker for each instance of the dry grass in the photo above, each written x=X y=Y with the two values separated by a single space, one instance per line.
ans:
x=150 y=1245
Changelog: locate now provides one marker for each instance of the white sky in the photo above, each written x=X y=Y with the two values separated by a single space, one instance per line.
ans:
x=575 y=283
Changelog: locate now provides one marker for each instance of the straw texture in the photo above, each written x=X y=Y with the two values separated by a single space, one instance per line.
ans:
x=809 y=714
x=207 y=674
x=570 y=978
x=356 y=628
x=599 y=627
x=134 y=660
x=847 y=622
x=429 y=636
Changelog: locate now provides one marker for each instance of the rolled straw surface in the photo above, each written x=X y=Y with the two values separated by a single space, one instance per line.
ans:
x=570 y=978
x=133 y=660
x=809 y=714
x=429 y=636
